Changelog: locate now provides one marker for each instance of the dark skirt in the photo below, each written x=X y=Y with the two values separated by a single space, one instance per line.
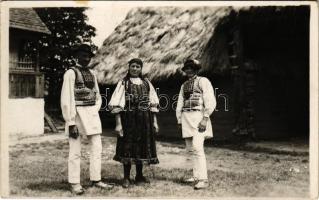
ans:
x=137 y=146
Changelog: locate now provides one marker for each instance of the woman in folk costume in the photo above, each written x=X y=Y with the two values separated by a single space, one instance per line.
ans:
x=135 y=104
x=196 y=102
x=80 y=104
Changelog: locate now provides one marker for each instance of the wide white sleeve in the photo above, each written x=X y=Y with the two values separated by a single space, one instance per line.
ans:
x=208 y=97
x=179 y=106
x=154 y=101
x=98 y=95
x=117 y=102
x=67 y=98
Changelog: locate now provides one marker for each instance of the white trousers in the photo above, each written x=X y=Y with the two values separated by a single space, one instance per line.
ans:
x=74 y=169
x=195 y=148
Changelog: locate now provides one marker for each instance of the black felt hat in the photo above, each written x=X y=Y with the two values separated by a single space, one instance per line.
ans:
x=84 y=48
x=194 y=64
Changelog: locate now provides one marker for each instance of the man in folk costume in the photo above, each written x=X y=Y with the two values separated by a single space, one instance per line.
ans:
x=80 y=104
x=196 y=102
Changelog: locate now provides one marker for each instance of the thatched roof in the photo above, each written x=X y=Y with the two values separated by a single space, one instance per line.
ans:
x=27 y=19
x=162 y=37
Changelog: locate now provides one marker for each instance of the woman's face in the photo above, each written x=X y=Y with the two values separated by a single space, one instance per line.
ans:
x=135 y=70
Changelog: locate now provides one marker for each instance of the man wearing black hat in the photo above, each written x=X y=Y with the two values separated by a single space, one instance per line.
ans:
x=196 y=102
x=80 y=103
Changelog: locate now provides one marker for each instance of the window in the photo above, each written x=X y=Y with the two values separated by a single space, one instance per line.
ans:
x=25 y=80
x=24 y=56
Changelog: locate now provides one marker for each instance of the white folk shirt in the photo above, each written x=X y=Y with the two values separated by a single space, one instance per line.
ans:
x=191 y=119
x=86 y=118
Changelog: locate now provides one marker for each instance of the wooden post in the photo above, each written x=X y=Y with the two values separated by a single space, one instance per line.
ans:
x=50 y=122
x=39 y=86
x=37 y=64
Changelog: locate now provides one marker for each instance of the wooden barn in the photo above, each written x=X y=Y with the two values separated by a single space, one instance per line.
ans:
x=272 y=41
x=26 y=82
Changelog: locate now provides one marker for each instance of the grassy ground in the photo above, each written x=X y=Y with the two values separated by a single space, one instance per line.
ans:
x=38 y=167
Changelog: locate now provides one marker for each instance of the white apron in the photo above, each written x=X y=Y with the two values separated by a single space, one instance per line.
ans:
x=190 y=121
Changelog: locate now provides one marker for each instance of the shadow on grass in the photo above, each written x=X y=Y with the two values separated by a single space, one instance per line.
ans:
x=48 y=186
x=115 y=181
x=118 y=181
x=153 y=173
x=174 y=175
x=234 y=143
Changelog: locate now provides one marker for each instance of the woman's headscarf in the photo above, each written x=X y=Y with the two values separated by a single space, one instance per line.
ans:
x=137 y=61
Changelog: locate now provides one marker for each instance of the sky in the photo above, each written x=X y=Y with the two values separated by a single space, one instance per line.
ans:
x=105 y=19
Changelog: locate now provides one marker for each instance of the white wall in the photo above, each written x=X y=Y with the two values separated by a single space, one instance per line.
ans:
x=26 y=116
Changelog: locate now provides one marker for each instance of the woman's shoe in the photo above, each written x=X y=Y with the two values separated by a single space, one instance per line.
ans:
x=141 y=180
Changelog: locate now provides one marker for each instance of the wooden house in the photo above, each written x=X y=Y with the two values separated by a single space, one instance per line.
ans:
x=275 y=39
x=26 y=82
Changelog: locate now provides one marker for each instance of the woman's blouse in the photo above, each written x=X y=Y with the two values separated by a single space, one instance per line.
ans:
x=118 y=100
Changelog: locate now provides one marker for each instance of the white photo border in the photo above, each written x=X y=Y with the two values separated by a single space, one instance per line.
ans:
x=313 y=73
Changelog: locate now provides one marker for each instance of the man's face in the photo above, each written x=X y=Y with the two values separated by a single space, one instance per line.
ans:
x=83 y=58
x=190 y=72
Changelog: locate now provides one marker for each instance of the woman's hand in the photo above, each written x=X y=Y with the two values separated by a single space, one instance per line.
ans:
x=155 y=124
x=202 y=125
x=156 y=128
x=119 y=130
x=118 y=127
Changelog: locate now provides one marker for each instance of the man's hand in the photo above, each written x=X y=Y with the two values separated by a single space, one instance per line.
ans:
x=73 y=132
x=202 y=125
x=119 y=130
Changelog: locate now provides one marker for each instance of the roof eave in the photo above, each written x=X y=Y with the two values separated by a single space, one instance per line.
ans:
x=32 y=29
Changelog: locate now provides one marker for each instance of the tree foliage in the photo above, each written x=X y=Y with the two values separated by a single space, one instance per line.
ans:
x=68 y=28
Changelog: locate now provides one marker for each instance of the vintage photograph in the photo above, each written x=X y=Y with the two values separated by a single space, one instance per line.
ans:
x=158 y=100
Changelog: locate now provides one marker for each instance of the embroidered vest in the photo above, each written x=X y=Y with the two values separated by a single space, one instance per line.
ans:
x=137 y=96
x=193 y=95
x=84 y=91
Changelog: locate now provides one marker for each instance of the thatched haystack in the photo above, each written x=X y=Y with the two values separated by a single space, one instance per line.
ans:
x=274 y=38
x=163 y=38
